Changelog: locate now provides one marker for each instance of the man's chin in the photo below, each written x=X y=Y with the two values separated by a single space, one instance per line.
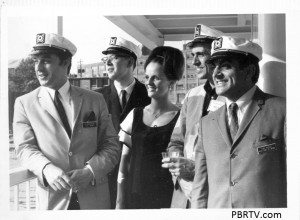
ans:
x=202 y=76
x=111 y=76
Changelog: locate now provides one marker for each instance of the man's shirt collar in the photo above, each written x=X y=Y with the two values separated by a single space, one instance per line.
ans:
x=64 y=91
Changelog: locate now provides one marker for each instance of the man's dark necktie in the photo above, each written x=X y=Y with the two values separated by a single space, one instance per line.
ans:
x=62 y=113
x=211 y=95
x=234 y=124
x=123 y=98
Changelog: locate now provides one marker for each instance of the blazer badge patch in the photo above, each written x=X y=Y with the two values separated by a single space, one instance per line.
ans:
x=267 y=148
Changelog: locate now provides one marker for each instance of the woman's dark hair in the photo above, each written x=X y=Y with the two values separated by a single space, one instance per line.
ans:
x=171 y=59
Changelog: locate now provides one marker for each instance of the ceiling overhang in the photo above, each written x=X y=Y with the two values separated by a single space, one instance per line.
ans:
x=154 y=30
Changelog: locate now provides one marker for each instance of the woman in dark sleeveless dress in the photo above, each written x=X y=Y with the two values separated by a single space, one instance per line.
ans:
x=145 y=134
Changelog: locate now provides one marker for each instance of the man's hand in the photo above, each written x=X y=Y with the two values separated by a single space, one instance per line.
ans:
x=57 y=178
x=81 y=178
x=181 y=167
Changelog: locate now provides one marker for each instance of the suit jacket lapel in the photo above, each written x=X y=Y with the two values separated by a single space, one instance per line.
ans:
x=114 y=100
x=131 y=102
x=254 y=107
x=222 y=125
x=76 y=97
x=48 y=104
x=200 y=100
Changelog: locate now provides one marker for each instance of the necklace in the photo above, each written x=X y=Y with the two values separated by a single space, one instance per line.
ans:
x=156 y=115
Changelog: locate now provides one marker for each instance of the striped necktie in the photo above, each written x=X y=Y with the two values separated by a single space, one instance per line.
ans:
x=234 y=123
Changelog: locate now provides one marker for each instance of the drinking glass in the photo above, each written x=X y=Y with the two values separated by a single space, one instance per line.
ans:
x=164 y=155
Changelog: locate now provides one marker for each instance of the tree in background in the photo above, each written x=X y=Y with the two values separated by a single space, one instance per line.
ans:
x=23 y=79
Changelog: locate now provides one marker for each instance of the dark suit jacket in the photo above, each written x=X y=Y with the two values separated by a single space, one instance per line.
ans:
x=138 y=98
x=251 y=171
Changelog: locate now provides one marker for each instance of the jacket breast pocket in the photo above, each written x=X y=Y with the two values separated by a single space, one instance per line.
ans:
x=268 y=144
x=89 y=130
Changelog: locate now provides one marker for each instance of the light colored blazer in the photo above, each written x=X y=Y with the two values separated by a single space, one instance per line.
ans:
x=40 y=138
x=251 y=171
x=185 y=136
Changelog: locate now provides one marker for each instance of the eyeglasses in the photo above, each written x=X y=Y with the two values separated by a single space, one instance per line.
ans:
x=111 y=58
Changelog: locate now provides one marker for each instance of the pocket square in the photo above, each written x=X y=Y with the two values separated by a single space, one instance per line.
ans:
x=91 y=117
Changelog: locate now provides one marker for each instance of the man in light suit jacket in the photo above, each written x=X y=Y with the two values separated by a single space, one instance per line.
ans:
x=125 y=91
x=241 y=151
x=64 y=134
x=198 y=102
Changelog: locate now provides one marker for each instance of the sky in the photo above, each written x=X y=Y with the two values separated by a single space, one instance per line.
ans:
x=90 y=34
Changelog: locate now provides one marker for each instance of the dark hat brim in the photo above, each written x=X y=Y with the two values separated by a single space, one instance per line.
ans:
x=229 y=54
x=200 y=40
x=118 y=50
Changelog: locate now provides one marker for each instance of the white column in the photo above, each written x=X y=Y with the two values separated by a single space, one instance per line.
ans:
x=271 y=36
x=60 y=25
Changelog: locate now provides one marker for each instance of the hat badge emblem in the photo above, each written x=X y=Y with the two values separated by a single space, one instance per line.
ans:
x=40 y=38
x=197 y=31
x=218 y=43
x=113 y=41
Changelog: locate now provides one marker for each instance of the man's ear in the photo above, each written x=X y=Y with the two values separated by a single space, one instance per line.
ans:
x=250 y=70
x=66 y=62
x=130 y=62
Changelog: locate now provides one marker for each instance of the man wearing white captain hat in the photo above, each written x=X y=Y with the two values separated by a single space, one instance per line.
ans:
x=241 y=150
x=198 y=102
x=64 y=134
x=125 y=91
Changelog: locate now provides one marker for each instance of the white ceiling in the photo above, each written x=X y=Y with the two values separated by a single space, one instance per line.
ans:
x=154 y=30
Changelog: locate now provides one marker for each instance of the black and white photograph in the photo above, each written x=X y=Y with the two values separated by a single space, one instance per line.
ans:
x=162 y=109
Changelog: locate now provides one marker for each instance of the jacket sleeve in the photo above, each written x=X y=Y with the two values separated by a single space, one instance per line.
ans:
x=177 y=143
x=178 y=135
x=108 y=146
x=25 y=142
x=200 y=186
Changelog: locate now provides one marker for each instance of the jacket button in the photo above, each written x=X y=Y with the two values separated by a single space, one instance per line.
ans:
x=233 y=156
x=233 y=182
x=70 y=154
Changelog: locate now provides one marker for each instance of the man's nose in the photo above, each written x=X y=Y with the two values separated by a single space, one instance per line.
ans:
x=108 y=62
x=196 y=61
x=217 y=73
x=149 y=81
x=38 y=66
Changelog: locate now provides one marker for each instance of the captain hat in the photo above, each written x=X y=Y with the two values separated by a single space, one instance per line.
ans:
x=227 y=45
x=204 y=34
x=121 y=45
x=51 y=41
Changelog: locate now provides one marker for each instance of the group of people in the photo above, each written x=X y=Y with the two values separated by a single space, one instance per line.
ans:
x=103 y=149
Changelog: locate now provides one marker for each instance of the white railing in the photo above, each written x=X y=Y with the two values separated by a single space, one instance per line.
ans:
x=22 y=189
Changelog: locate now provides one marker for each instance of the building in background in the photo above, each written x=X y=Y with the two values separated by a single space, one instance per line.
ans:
x=90 y=76
x=93 y=76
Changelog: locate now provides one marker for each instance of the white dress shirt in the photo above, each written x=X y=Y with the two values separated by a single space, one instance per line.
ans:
x=128 y=90
x=243 y=103
x=65 y=98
